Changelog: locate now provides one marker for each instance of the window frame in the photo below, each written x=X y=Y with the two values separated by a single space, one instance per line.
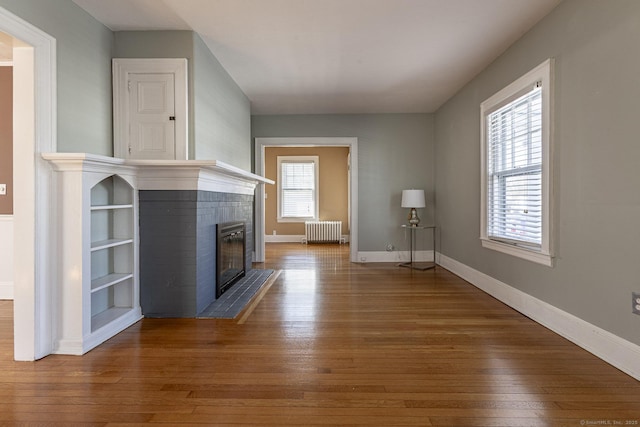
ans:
x=316 y=191
x=542 y=74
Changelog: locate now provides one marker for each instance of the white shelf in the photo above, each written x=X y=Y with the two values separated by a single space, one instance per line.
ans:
x=109 y=280
x=110 y=243
x=107 y=316
x=110 y=207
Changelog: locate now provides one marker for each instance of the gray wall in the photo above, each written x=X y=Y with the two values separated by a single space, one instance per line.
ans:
x=153 y=44
x=597 y=204
x=395 y=152
x=84 y=49
x=222 y=112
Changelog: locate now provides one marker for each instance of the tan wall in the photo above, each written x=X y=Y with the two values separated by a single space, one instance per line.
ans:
x=6 y=138
x=333 y=191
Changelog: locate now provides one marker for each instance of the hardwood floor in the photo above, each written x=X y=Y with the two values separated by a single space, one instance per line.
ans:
x=330 y=343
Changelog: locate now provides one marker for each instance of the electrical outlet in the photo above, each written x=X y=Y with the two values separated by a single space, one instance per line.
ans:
x=3 y=189
x=635 y=302
x=363 y=259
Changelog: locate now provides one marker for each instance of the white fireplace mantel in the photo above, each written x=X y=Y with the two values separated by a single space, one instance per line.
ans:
x=206 y=175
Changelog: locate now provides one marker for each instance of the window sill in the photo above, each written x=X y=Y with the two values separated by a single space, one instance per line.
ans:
x=529 y=255
x=295 y=219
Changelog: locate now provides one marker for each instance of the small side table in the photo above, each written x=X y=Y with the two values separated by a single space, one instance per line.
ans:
x=419 y=265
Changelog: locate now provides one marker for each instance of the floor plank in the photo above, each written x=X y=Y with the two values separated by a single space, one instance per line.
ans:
x=329 y=343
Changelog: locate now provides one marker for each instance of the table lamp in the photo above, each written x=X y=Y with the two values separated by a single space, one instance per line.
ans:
x=413 y=199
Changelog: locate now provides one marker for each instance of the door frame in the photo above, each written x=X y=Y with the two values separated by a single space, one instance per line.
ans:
x=121 y=68
x=35 y=132
x=259 y=215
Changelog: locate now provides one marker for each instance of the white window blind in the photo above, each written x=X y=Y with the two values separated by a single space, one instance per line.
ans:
x=514 y=171
x=298 y=189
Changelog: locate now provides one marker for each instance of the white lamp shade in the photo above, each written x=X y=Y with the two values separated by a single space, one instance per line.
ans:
x=413 y=199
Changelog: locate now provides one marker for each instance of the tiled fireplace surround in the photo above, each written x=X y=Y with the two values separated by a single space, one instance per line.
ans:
x=180 y=204
x=178 y=247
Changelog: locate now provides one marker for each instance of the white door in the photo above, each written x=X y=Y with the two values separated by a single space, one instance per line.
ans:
x=147 y=94
x=152 y=130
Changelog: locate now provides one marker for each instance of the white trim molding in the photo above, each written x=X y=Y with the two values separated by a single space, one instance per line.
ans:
x=520 y=252
x=35 y=63
x=614 y=350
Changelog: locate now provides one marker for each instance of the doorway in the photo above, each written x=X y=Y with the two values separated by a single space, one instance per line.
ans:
x=262 y=143
x=34 y=132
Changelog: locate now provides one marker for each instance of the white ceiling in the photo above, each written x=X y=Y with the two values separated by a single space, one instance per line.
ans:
x=340 y=56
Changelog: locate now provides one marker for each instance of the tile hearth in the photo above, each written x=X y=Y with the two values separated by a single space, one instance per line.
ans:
x=232 y=302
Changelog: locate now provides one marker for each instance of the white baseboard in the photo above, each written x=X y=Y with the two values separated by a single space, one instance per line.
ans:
x=290 y=238
x=78 y=347
x=614 y=350
x=394 y=256
x=6 y=290
x=283 y=238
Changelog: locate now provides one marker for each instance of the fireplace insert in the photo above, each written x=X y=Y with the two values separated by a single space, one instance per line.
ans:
x=230 y=250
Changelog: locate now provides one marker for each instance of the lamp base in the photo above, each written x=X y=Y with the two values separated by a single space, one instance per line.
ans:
x=413 y=217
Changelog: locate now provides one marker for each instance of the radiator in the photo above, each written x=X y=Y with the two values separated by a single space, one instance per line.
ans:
x=323 y=231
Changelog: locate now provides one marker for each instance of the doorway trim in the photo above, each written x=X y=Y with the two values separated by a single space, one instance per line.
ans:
x=121 y=68
x=262 y=143
x=34 y=133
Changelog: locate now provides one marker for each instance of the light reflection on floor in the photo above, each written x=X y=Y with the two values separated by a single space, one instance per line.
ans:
x=300 y=265
x=287 y=256
x=299 y=292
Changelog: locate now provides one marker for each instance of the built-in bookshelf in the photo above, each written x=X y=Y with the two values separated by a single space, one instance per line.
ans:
x=97 y=291
x=112 y=241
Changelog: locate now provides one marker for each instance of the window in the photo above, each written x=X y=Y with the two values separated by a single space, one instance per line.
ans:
x=297 y=188
x=516 y=165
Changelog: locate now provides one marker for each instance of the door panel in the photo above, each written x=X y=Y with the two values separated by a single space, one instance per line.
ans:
x=152 y=111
